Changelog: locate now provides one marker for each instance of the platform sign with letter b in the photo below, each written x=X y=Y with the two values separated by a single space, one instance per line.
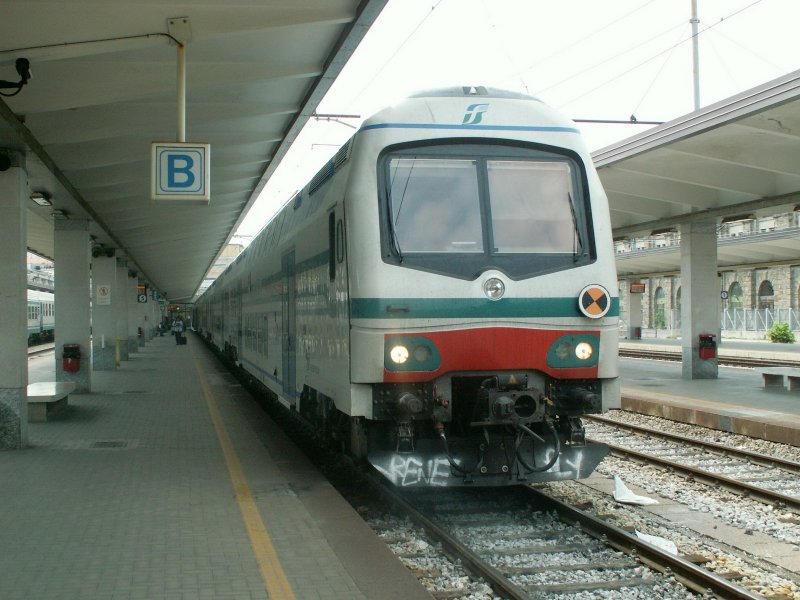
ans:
x=180 y=172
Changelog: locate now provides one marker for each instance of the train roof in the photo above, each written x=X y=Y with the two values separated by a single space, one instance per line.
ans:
x=467 y=91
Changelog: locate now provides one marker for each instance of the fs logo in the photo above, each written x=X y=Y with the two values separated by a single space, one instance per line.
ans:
x=474 y=114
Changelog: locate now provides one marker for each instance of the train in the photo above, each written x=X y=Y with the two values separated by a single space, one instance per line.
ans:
x=41 y=317
x=441 y=298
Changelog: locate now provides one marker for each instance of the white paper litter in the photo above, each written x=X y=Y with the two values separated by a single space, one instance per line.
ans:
x=659 y=542
x=623 y=494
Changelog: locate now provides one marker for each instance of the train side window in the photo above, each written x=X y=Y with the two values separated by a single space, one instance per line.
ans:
x=332 y=246
x=340 y=241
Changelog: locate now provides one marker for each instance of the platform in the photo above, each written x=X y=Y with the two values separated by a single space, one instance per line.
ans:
x=736 y=401
x=171 y=483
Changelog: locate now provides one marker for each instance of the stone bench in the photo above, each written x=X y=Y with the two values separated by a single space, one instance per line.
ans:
x=47 y=398
x=776 y=378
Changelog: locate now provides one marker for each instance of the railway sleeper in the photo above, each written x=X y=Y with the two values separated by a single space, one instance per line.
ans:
x=519 y=550
x=590 y=566
x=449 y=594
x=589 y=586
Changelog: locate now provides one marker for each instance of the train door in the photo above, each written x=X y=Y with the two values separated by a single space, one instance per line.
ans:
x=289 y=326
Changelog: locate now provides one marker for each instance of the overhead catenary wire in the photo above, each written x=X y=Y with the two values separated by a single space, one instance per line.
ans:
x=594 y=66
x=750 y=51
x=582 y=40
x=397 y=50
x=658 y=74
x=647 y=60
x=710 y=44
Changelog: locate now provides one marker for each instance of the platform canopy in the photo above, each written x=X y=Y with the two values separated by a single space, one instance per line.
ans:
x=736 y=159
x=104 y=87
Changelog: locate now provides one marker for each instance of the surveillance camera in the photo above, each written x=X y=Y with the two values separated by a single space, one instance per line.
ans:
x=23 y=66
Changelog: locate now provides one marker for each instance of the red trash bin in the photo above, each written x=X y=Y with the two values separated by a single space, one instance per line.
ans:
x=71 y=357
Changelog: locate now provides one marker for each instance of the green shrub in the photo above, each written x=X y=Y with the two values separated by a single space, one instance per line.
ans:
x=780 y=333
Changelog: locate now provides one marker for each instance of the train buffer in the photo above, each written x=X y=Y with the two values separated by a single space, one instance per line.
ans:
x=777 y=377
x=47 y=398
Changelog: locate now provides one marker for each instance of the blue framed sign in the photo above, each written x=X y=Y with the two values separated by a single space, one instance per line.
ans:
x=180 y=172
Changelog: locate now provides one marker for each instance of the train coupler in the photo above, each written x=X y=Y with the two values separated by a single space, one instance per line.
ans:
x=405 y=437
x=576 y=432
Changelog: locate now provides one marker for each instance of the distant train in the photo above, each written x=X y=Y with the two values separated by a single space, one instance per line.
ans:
x=441 y=298
x=41 y=317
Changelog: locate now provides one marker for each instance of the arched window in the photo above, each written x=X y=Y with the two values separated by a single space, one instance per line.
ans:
x=766 y=295
x=678 y=300
x=659 y=309
x=735 y=296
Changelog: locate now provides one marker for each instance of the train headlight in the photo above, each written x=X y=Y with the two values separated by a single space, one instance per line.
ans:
x=584 y=351
x=574 y=351
x=562 y=350
x=422 y=354
x=399 y=354
x=410 y=353
x=494 y=288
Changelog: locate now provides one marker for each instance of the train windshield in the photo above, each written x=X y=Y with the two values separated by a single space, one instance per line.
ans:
x=435 y=205
x=518 y=210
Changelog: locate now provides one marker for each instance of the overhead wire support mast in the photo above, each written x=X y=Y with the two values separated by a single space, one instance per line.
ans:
x=180 y=31
x=695 y=55
x=181 y=125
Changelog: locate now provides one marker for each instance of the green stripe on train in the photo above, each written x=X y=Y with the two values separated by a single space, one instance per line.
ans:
x=457 y=308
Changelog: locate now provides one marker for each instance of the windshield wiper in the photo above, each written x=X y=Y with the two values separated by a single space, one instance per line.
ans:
x=578 y=242
x=393 y=219
x=395 y=241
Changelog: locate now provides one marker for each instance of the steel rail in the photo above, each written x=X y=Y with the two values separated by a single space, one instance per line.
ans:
x=469 y=559
x=689 y=574
x=730 y=361
x=738 y=487
x=764 y=460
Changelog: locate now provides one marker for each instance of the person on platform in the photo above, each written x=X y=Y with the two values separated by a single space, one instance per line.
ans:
x=178 y=329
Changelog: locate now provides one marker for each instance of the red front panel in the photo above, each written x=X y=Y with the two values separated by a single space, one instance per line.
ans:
x=493 y=349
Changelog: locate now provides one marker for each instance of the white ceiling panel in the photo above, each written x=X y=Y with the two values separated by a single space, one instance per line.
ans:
x=104 y=88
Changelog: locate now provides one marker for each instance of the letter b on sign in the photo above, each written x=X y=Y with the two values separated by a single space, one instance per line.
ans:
x=180 y=171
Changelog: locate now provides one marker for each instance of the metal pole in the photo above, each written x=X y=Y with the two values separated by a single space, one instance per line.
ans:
x=181 y=93
x=695 y=55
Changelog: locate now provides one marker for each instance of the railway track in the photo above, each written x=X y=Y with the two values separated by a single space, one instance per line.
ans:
x=529 y=545
x=535 y=547
x=769 y=479
x=723 y=360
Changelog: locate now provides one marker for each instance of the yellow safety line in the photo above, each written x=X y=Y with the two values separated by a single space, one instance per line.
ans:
x=278 y=586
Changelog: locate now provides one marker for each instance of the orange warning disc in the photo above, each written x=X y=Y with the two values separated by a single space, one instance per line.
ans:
x=594 y=301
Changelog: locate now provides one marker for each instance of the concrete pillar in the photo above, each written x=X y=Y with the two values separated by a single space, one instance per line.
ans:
x=634 y=311
x=120 y=300
x=13 y=304
x=104 y=322
x=700 y=296
x=152 y=313
x=143 y=314
x=72 y=259
x=133 y=314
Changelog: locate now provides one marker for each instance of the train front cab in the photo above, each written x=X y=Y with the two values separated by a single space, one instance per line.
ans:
x=485 y=368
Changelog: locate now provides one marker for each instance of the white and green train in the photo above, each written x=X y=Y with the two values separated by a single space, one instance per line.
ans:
x=41 y=317
x=441 y=297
